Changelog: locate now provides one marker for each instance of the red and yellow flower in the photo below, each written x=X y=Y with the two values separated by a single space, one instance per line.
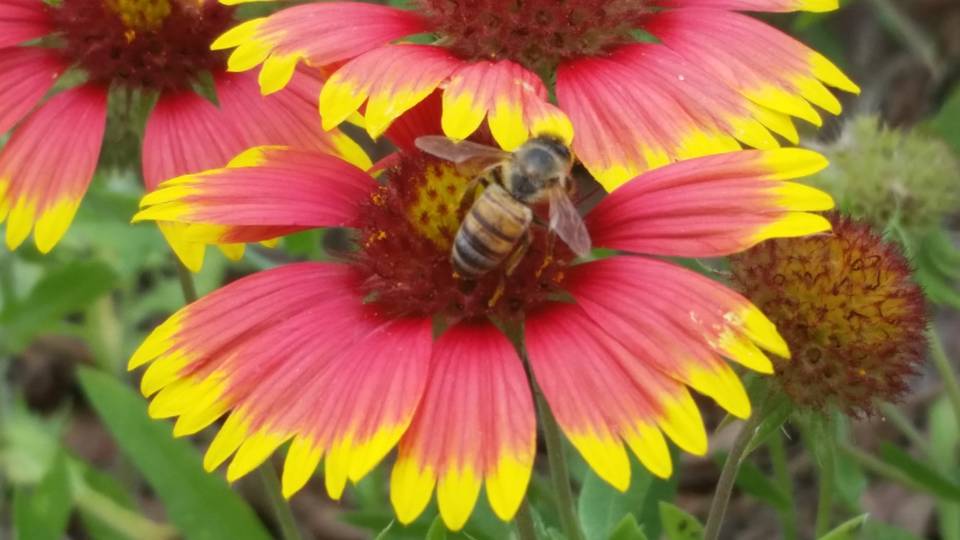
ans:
x=159 y=47
x=389 y=348
x=715 y=78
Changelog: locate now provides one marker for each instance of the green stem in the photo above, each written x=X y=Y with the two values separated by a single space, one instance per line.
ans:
x=120 y=519
x=558 y=469
x=186 y=283
x=781 y=475
x=728 y=475
x=910 y=34
x=940 y=361
x=268 y=476
x=880 y=468
x=524 y=523
x=279 y=505
x=905 y=426
x=825 y=493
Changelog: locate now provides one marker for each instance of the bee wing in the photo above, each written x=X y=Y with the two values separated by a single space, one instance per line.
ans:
x=567 y=223
x=460 y=152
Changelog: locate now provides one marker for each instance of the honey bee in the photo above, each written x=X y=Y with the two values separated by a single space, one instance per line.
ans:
x=496 y=228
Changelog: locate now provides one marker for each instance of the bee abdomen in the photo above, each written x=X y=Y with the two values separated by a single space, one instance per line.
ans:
x=489 y=232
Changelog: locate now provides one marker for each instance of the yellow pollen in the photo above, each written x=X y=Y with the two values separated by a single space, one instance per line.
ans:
x=435 y=212
x=140 y=14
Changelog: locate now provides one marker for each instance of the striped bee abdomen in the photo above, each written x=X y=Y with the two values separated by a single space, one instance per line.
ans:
x=489 y=232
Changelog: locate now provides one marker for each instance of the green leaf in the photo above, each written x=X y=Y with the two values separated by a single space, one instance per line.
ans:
x=921 y=473
x=628 y=529
x=875 y=530
x=944 y=438
x=947 y=122
x=848 y=475
x=201 y=505
x=602 y=508
x=678 y=524
x=62 y=290
x=42 y=512
x=29 y=445
x=438 y=531
x=845 y=530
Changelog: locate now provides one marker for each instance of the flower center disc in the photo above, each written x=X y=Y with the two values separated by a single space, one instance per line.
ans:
x=156 y=44
x=407 y=232
x=536 y=33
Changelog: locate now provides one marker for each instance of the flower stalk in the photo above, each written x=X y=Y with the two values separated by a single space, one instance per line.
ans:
x=728 y=475
x=940 y=361
x=559 y=474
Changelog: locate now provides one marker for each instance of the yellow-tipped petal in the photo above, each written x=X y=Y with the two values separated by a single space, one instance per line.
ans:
x=254 y=451
x=815 y=92
x=794 y=196
x=647 y=443
x=507 y=484
x=829 y=73
x=366 y=455
x=234 y=252
x=787 y=163
x=248 y=55
x=351 y=152
x=180 y=396
x=742 y=350
x=158 y=342
x=819 y=6
x=190 y=253
x=781 y=100
x=606 y=456
x=303 y=457
x=339 y=100
x=457 y=493
x=791 y=225
x=201 y=415
x=506 y=125
x=227 y=440
x=53 y=223
x=699 y=143
x=276 y=72
x=253 y=157
x=336 y=467
x=19 y=222
x=681 y=421
x=753 y=133
x=238 y=35
x=165 y=370
x=461 y=116
x=778 y=122
x=763 y=332
x=410 y=488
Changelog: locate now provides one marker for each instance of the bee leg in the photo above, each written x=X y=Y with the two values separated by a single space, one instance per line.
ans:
x=512 y=262
x=517 y=255
x=548 y=253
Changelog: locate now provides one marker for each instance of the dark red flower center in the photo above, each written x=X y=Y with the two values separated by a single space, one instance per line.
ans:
x=406 y=237
x=155 y=44
x=536 y=33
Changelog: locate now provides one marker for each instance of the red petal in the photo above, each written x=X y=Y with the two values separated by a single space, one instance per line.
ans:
x=21 y=20
x=476 y=424
x=293 y=353
x=265 y=192
x=26 y=74
x=48 y=163
x=713 y=206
